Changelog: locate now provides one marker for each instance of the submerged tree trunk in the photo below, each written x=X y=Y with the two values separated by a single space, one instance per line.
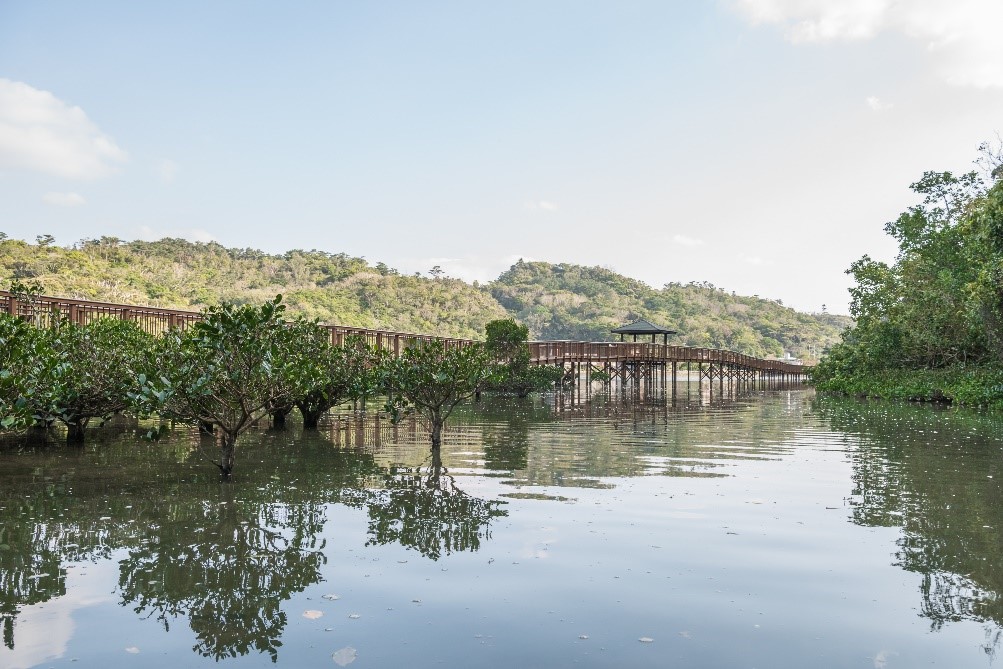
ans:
x=75 y=431
x=311 y=419
x=279 y=411
x=311 y=414
x=227 y=449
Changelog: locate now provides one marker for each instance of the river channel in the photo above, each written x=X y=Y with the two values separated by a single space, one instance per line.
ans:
x=776 y=529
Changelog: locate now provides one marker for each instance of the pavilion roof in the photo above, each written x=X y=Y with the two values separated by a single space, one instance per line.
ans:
x=642 y=327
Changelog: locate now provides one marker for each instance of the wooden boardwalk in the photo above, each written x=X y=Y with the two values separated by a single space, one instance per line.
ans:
x=661 y=364
x=642 y=363
x=45 y=310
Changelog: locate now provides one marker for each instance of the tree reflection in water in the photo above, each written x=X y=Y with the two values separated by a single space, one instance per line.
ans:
x=227 y=566
x=934 y=474
x=422 y=508
x=224 y=557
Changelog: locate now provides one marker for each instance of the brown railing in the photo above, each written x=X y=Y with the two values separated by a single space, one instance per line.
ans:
x=555 y=352
x=45 y=310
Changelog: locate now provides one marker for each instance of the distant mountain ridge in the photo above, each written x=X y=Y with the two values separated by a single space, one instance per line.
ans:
x=556 y=301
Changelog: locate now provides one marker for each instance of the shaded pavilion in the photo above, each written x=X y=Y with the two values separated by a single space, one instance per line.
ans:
x=644 y=328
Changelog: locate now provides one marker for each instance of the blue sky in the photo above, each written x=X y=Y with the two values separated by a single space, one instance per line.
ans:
x=757 y=144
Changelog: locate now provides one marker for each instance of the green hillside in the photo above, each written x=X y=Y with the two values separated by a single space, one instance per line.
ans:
x=555 y=301
x=575 y=302
x=334 y=288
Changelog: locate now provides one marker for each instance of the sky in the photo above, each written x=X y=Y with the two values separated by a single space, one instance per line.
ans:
x=759 y=145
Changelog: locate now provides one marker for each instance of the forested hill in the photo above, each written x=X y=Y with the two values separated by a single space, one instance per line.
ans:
x=575 y=302
x=555 y=301
x=335 y=288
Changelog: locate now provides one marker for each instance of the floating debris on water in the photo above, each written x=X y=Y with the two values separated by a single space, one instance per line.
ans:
x=345 y=656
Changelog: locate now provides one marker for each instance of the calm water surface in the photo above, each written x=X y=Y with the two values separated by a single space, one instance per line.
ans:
x=774 y=530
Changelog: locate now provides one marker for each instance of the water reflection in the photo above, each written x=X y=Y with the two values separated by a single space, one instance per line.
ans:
x=936 y=474
x=587 y=443
x=226 y=565
x=228 y=560
x=222 y=557
x=422 y=508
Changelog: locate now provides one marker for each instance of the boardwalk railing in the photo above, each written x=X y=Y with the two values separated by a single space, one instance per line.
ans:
x=46 y=310
x=557 y=352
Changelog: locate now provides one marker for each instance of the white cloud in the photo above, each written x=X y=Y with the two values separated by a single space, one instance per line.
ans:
x=149 y=234
x=878 y=105
x=543 y=205
x=167 y=170
x=758 y=261
x=961 y=35
x=683 y=240
x=64 y=199
x=40 y=132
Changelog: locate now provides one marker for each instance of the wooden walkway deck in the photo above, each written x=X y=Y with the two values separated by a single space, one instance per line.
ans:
x=625 y=360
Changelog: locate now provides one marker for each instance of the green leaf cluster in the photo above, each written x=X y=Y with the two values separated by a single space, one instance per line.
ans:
x=68 y=373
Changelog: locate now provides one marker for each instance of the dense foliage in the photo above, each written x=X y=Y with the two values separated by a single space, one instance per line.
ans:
x=930 y=325
x=513 y=373
x=227 y=372
x=68 y=373
x=555 y=301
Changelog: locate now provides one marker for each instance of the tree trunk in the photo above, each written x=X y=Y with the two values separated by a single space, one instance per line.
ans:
x=279 y=419
x=227 y=450
x=75 y=431
x=311 y=418
x=311 y=412
x=437 y=422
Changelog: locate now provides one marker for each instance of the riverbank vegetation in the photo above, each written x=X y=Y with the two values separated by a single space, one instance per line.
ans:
x=929 y=326
x=554 y=301
x=237 y=366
